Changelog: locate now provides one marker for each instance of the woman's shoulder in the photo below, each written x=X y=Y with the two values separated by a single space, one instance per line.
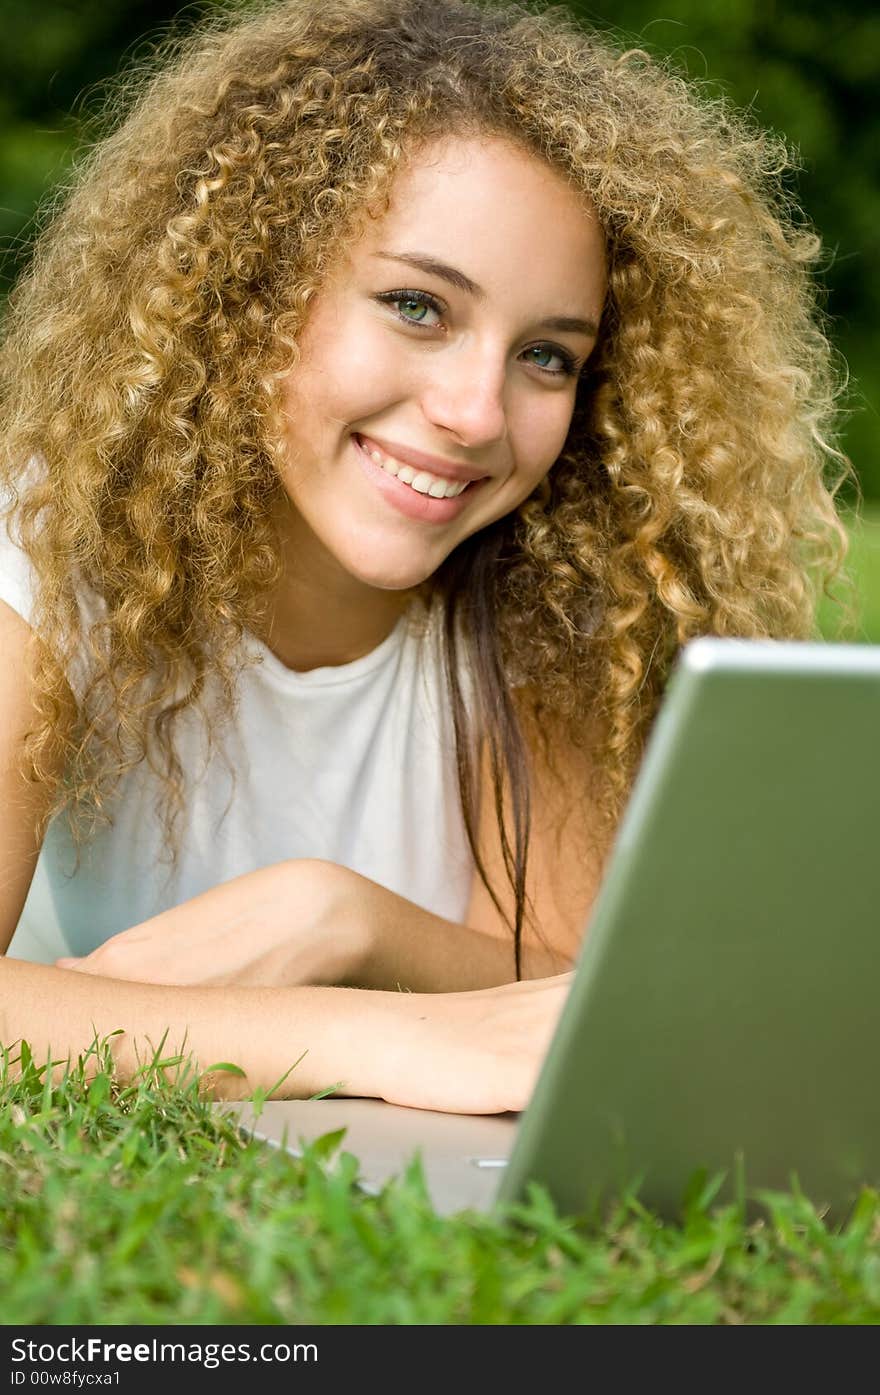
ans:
x=23 y=585
x=18 y=578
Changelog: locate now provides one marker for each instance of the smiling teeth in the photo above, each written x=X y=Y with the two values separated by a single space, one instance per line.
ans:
x=419 y=480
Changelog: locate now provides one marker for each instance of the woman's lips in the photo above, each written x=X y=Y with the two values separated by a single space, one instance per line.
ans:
x=418 y=460
x=409 y=501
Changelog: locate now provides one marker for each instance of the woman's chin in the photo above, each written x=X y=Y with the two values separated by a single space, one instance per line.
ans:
x=392 y=580
x=386 y=573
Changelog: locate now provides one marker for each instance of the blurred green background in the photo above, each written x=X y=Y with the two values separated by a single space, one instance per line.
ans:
x=805 y=70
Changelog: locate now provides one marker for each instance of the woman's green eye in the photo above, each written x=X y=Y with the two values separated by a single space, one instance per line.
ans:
x=411 y=301
x=414 y=300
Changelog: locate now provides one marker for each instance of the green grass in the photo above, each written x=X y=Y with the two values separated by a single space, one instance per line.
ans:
x=142 y=1204
x=866 y=570
x=863 y=563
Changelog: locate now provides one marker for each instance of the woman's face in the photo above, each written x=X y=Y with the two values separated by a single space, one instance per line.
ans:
x=440 y=361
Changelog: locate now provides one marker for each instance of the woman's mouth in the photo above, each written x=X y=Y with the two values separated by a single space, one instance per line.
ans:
x=416 y=493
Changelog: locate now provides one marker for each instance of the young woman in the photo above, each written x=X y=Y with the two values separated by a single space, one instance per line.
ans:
x=399 y=386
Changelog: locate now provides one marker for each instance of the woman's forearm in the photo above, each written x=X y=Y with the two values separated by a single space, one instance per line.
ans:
x=261 y=1030
x=472 y=1052
x=307 y=921
x=413 y=949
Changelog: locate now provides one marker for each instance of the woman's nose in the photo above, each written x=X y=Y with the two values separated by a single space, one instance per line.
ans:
x=464 y=393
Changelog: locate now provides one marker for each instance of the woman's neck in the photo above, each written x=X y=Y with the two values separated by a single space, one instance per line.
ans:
x=321 y=616
x=306 y=633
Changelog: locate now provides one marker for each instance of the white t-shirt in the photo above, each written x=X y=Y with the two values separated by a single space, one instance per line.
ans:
x=354 y=764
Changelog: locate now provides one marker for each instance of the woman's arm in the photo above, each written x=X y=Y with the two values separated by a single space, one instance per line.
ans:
x=22 y=802
x=307 y=921
x=473 y=1052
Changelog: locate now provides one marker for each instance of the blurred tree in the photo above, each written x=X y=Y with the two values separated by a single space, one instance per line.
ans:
x=803 y=70
x=55 y=61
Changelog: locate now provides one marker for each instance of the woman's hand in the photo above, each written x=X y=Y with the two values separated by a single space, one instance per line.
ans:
x=289 y=923
x=463 y=1053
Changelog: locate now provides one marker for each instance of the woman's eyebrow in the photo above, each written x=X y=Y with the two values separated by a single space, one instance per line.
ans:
x=424 y=262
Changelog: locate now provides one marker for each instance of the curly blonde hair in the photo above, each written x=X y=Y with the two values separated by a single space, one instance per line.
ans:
x=146 y=346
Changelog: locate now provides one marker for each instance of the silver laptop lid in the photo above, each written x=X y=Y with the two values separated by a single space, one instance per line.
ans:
x=725 y=1003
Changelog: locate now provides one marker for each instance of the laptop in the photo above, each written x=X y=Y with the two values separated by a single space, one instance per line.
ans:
x=724 y=1013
